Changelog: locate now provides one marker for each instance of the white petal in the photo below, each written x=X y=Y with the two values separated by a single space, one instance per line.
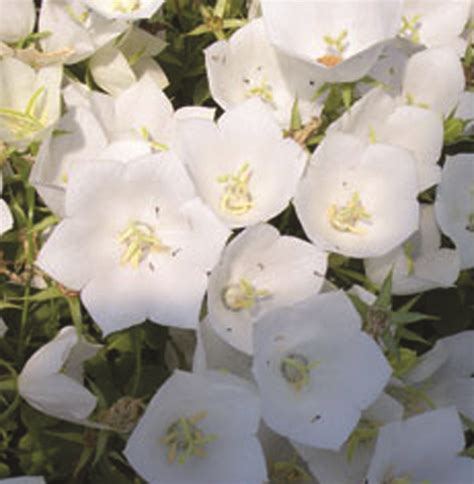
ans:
x=19 y=21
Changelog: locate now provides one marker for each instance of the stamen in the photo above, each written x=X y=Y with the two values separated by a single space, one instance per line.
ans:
x=154 y=145
x=346 y=218
x=125 y=6
x=185 y=439
x=296 y=370
x=78 y=17
x=243 y=295
x=336 y=47
x=139 y=240
x=237 y=198
x=263 y=90
x=27 y=123
x=410 y=28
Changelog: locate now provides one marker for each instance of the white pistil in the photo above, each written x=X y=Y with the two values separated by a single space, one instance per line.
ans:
x=346 y=218
x=237 y=198
x=185 y=439
x=139 y=240
x=242 y=295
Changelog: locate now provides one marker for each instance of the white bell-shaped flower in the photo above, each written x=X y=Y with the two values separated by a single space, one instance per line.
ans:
x=147 y=239
x=424 y=448
x=260 y=271
x=420 y=264
x=356 y=200
x=75 y=28
x=339 y=39
x=29 y=101
x=17 y=19
x=243 y=167
x=51 y=380
x=199 y=429
x=454 y=205
x=247 y=65
x=316 y=370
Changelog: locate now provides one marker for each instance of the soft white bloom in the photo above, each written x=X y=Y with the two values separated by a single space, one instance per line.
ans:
x=51 y=380
x=24 y=480
x=99 y=126
x=316 y=370
x=125 y=9
x=434 y=79
x=76 y=28
x=424 y=448
x=260 y=271
x=379 y=118
x=454 y=205
x=349 y=465
x=242 y=167
x=434 y=23
x=247 y=65
x=147 y=239
x=340 y=40
x=118 y=65
x=213 y=353
x=29 y=101
x=199 y=429
x=443 y=376
x=420 y=264
x=17 y=19
x=6 y=219
x=358 y=200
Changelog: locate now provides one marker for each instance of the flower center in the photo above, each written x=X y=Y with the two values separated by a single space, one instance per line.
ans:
x=242 y=295
x=139 y=240
x=125 y=6
x=262 y=90
x=346 y=218
x=410 y=28
x=154 y=145
x=185 y=439
x=80 y=17
x=30 y=121
x=237 y=198
x=296 y=370
x=336 y=46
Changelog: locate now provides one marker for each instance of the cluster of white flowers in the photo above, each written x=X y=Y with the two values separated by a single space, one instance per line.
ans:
x=149 y=200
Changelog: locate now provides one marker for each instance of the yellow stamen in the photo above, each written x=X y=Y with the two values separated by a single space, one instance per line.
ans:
x=155 y=145
x=296 y=370
x=410 y=28
x=237 y=198
x=242 y=295
x=78 y=17
x=185 y=439
x=346 y=218
x=263 y=90
x=125 y=6
x=330 y=60
x=139 y=240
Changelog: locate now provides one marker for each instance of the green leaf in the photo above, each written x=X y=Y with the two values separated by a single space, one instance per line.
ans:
x=296 y=122
x=412 y=336
x=384 y=299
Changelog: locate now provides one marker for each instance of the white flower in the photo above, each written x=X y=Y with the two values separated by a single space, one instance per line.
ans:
x=420 y=264
x=379 y=118
x=6 y=219
x=356 y=200
x=118 y=65
x=454 y=205
x=247 y=65
x=333 y=37
x=147 y=239
x=316 y=370
x=260 y=271
x=199 y=429
x=349 y=465
x=443 y=375
x=434 y=23
x=434 y=79
x=242 y=167
x=51 y=380
x=29 y=101
x=76 y=28
x=125 y=9
x=213 y=353
x=18 y=22
x=99 y=126
x=422 y=449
